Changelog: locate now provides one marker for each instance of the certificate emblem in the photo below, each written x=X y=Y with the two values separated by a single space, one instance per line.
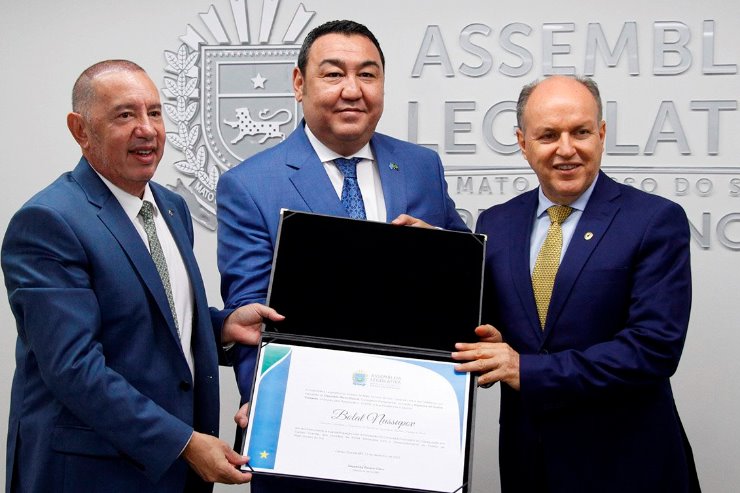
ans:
x=359 y=378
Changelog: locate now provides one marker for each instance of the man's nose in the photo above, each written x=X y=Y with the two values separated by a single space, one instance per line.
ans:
x=351 y=88
x=146 y=128
x=565 y=145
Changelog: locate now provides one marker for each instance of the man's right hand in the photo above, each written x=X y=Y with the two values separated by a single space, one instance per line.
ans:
x=214 y=460
x=241 y=417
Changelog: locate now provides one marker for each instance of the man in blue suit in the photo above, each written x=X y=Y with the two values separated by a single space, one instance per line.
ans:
x=586 y=401
x=340 y=82
x=116 y=382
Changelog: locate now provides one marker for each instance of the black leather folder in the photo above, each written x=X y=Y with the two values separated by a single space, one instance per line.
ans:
x=376 y=283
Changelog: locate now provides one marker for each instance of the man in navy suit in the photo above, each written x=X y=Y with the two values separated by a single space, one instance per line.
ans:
x=586 y=401
x=340 y=82
x=116 y=381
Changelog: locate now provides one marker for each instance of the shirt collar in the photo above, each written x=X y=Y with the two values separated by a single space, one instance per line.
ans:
x=579 y=204
x=326 y=155
x=131 y=204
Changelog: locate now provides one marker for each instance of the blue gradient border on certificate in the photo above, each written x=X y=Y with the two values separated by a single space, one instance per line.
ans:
x=270 y=400
x=457 y=380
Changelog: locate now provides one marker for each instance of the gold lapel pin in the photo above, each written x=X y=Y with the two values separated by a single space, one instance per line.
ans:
x=588 y=236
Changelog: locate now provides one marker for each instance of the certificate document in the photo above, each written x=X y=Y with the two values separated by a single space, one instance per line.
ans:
x=359 y=417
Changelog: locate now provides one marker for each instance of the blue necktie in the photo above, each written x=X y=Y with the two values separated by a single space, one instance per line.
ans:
x=351 y=195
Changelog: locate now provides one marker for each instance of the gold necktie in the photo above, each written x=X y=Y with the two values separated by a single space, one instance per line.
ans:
x=548 y=260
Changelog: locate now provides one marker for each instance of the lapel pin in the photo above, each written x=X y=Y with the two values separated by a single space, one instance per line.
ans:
x=170 y=212
x=393 y=166
x=588 y=236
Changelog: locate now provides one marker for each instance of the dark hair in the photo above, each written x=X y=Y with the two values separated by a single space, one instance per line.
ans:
x=345 y=27
x=82 y=92
x=527 y=90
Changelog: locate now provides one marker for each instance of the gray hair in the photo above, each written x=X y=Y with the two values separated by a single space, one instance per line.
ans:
x=83 y=91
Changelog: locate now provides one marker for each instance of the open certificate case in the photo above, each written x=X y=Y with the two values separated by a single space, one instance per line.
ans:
x=356 y=385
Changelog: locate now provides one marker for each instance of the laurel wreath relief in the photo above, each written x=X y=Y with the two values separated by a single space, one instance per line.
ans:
x=182 y=113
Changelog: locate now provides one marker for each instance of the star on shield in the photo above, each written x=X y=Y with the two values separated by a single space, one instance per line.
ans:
x=259 y=81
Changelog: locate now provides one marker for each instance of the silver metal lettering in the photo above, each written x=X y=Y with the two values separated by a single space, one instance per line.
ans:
x=627 y=40
x=708 y=67
x=703 y=238
x=433 y=52
x=486 y=60
x=465 y=185
x=677 y=48
x=667 y=113
x=489 y=121
x=612 y=148
x=722 y=227
x=713 y=107
x=517 y=50
x=452 y=127
x=550 y=49
x=413 y=126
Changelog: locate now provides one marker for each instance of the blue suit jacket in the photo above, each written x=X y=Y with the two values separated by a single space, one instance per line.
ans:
x=595 y=411
x=290 y=175
x=102 y=398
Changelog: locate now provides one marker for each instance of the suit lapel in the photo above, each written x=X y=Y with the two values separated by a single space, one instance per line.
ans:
x=171 y=213
x=521 y=223
x=595 y=220
x=392 y=176
x=115 y=219
x=310 y=178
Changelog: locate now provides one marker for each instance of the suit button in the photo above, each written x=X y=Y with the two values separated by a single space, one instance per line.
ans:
x=185 y=386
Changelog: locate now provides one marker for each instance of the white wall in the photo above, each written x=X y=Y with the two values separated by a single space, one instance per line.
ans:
x=44 y=46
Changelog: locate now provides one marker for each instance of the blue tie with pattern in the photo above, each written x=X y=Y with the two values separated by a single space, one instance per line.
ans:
x=351 y=195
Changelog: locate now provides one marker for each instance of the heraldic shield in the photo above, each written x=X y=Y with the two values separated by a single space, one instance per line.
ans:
x=247 y=97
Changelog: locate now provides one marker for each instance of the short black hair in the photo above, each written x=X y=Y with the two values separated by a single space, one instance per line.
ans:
x=345 y=27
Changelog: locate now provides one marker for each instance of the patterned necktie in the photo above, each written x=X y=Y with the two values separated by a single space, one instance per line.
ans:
x=548 y=260
x=155 y=248
x=351 y=195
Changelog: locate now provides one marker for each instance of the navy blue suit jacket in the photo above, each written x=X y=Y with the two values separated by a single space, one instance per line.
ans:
x=595 y=411
x=102 y=398
x=290 y=175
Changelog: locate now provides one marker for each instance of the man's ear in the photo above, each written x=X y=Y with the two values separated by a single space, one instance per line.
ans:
x=78 y=129
x=298 y=84
x=522 y=142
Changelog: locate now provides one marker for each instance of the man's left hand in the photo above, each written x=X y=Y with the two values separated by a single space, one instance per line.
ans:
x=244 y=324
x=406 y=220
x=493 y=360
